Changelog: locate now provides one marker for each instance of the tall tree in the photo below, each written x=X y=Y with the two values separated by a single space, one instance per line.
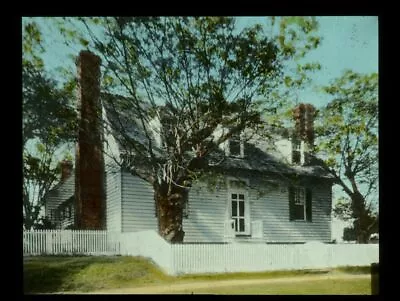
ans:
x=190 y=83
x=348 y=135
x=48 y=122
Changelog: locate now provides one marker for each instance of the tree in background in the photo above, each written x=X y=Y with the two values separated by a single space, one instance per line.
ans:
x=348 y=136
x=48 y=122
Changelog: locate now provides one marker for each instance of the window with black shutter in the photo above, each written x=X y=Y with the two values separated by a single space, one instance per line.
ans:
x=291 y=203
x=308 y=204
x=300 y=204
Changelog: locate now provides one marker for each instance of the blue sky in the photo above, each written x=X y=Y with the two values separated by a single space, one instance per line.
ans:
x=348 y=42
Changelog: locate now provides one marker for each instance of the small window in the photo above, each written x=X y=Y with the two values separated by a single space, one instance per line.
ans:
x=236 y=146
x=300 y=204
x=296 y=151
x=238 y=212
x=68 y=211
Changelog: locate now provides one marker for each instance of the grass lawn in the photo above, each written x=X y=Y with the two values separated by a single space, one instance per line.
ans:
x=50 y=274
x=87 y=273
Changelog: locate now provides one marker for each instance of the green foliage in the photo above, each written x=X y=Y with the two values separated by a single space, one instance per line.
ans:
x=348 y=135
x=32 y=46
x=342 y=210
x=297 y=37
x=48 y=121
x=47 y=113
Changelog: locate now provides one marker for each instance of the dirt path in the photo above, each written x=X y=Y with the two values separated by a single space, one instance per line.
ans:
x=179 y=287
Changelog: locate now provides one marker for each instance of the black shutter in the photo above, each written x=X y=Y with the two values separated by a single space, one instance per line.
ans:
x=291 y=203
x=308 y=204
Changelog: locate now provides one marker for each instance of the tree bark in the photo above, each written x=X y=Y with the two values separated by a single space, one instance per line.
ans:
x=169 y=206
x=361 y=214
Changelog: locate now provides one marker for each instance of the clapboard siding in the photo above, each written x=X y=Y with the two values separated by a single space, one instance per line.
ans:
x=138 y=211
x=113 y=195
x=59 y=194
x=208 y=212
x=206 y=219
x=273 y=209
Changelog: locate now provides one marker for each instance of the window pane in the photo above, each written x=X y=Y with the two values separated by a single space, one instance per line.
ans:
x=299 y=212
x=234 y=209
x=241 y=225
x=296 y=157
x=234 y=196
x=301 y=192
x=299 y=196
x=241 y=208
x=296 y=144
x=241 y=197
x=234 y=147
x=236 y=224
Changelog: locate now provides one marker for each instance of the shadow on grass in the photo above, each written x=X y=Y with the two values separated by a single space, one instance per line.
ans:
x=54 y=273
x=48 y=274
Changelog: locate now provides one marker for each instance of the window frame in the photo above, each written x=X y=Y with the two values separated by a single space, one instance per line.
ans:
x=297 y=151
x=246 y=203
x=300 y=195
x=307 y=203
x=239 y=139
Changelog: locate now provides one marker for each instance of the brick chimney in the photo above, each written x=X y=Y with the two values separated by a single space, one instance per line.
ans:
x=89 y=167
x=303 y=116
x=66 y=169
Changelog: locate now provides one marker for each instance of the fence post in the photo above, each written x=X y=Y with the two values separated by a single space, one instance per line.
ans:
x=375 y=278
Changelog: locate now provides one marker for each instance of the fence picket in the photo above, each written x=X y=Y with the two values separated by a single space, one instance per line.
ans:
x=197 y=258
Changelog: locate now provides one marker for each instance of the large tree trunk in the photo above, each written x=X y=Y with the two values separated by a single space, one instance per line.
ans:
x=362 y=222
x=362 y=238
x=169 y=212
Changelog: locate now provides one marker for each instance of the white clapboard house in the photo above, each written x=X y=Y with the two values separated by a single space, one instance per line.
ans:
x=272 y=191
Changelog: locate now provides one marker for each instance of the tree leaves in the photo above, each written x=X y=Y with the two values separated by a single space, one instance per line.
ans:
x=48 y=121
x=348 y=136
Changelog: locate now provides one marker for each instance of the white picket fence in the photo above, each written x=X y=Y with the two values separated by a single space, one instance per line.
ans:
x=214 y=258
x=55 y=242
x=200 y=258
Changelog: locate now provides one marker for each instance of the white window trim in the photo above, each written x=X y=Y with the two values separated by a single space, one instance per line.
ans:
x=247 y=209
x=228 y=151
x=304 y=203
x=302 y=150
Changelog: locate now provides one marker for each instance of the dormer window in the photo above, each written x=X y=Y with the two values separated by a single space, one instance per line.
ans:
x=296 y=151
x=235 y=146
